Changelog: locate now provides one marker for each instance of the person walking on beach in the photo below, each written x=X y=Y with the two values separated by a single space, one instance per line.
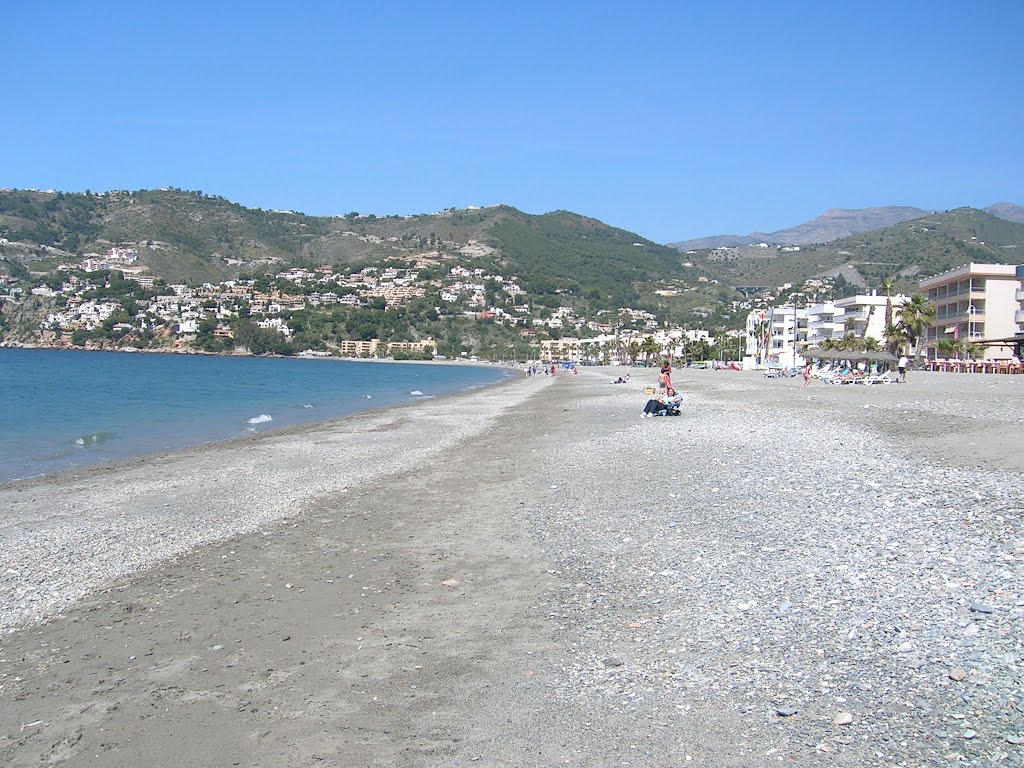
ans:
x=901 y=366
x=807 y=375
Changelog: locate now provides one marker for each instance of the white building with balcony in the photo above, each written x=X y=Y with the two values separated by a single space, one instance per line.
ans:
x=824 y=322
x=864 y=316
x=980 y=303
x=1019 y=317
x=775 y=335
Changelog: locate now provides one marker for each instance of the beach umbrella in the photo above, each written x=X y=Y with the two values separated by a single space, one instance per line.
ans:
x=855 y=355
x=823 y=354
x=881 y=357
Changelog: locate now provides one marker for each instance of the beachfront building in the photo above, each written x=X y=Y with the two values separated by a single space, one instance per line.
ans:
x=757 y=333
x=824 y=322
x=422 y=347
x=775 y=335
x=599 y=349
x=560 y=349
x=356 y=348
x=1020 y=302
x=978 y=303
x=864 y=316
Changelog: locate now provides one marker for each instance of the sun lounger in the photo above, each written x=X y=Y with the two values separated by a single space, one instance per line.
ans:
x=844 y=378
x=877 y=378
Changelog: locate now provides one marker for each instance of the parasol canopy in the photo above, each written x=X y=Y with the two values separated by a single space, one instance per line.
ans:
x=850 y=354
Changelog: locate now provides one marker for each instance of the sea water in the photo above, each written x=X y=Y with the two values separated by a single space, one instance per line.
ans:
x=62 y=409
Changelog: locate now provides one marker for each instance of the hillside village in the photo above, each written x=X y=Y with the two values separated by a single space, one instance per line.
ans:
x=107 y=301
x=557 y=286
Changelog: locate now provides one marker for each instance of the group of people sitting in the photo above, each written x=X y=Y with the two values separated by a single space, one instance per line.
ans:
x=668 y=401
x=663 y=405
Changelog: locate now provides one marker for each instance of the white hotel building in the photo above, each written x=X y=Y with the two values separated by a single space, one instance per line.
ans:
x=863 y=316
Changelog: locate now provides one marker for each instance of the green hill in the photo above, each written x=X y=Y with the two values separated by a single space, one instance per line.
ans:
x=193 y=237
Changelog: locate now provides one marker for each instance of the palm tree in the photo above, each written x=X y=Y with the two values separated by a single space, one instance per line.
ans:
x=946 y=347
x=762 y=335
x=971 y=350
x=894 y=338
x=871 y=344
x=633 y=350
x=916 y=315
x=849 y=342
x=887 y=287
x=649 y=347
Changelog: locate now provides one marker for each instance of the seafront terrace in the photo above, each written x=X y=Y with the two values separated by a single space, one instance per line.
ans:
x=974 y=366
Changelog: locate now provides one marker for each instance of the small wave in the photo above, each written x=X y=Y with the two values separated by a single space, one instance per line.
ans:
x=94 y=439
x=261 y=419
x=368 y=396
x=302 y=405
x=415 y=392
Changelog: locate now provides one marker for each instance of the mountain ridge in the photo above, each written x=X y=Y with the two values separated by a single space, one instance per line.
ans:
x=834 y=224
x=1008 y=211
x=905 y=252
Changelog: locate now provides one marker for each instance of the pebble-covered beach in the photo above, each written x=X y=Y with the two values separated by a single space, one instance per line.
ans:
x=805 y=562
x=535 y=575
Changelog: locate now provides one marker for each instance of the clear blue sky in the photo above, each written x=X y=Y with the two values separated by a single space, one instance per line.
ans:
x=674 y=120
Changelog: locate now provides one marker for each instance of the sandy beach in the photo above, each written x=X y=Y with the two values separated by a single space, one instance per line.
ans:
x=534 y=575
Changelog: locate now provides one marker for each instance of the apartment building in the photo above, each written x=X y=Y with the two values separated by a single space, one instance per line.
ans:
x=976 y=302
x=1020 y=301
x=824 y=322
x=864 y=316
x=560 y=349
x=421 y=346
x=353 y=348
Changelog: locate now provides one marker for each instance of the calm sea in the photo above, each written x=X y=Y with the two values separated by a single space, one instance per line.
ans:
x=62 y=409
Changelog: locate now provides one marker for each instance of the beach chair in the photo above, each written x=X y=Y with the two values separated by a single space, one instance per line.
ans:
x=824 y=372
x=877 y=378
x=844 y=377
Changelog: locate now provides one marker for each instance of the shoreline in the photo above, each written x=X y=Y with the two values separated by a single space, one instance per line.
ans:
x=558 y=581
x=102 y=491
x=507 y=374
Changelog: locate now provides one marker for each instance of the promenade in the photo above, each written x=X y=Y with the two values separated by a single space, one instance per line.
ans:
x=534 y=575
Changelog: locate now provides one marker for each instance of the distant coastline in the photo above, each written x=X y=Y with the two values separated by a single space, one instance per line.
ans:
x=269 y=356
